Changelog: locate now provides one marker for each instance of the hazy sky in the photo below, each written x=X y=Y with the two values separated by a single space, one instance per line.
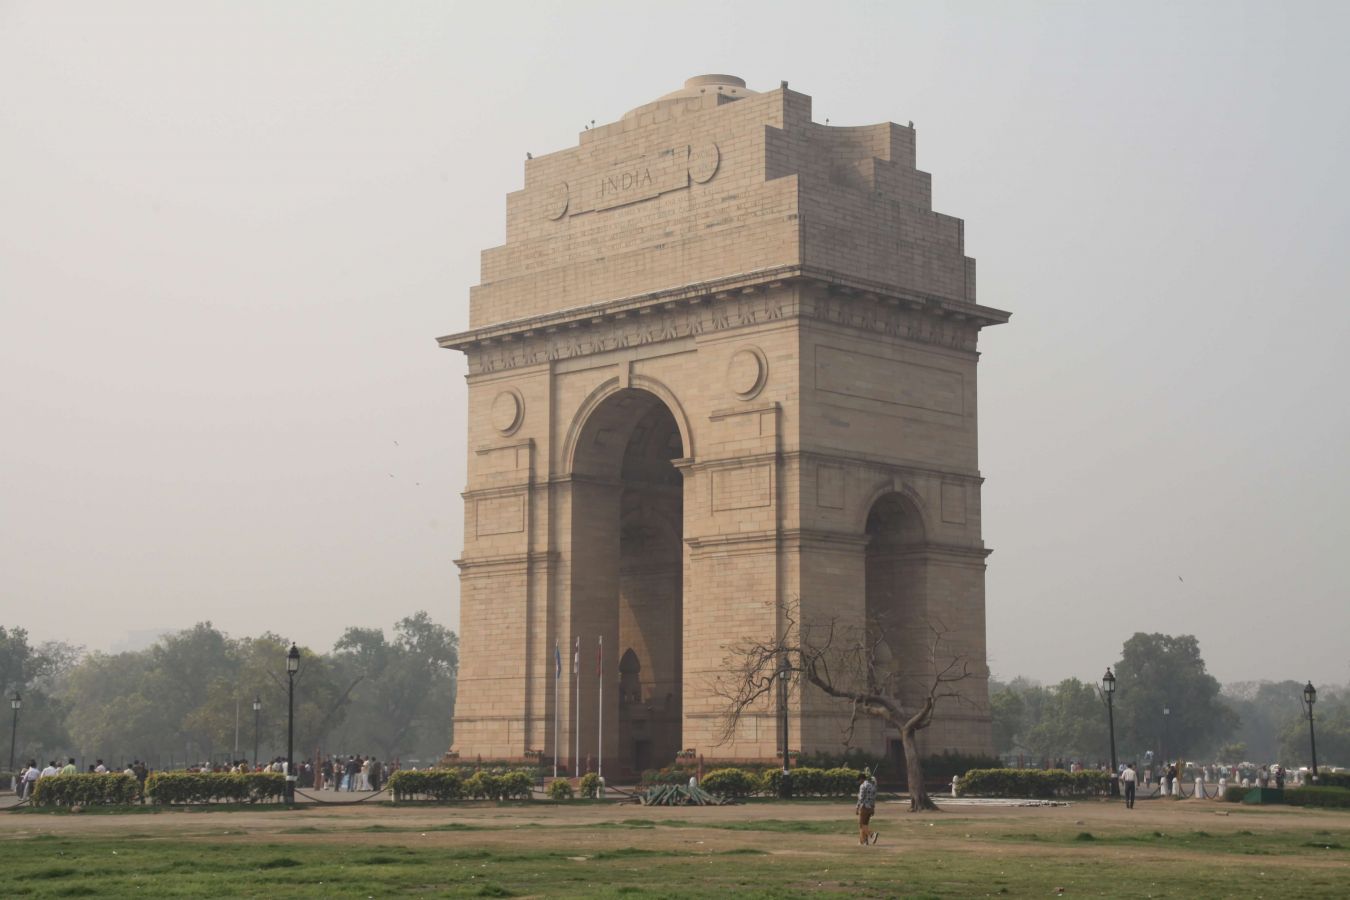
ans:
x=230 y=232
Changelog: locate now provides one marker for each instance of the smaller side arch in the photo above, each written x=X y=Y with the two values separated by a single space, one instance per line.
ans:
x=882 y=488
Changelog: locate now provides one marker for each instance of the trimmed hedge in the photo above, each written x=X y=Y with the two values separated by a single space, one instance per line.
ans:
x=730 y=783
x=1033 y=783
x=451 y=784
x=807 y=781
x=509 y=786
x=428 y=784
x=169 y=788
x=1234 y=793
x=1333 y=779
x=85 y=790
x=1333 y=797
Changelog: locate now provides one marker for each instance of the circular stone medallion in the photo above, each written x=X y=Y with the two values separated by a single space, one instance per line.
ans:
x=703 y=162
x=747 y=372
x=507 y=411
x=555 y=207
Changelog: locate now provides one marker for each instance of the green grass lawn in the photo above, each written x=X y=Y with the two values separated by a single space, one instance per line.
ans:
x=670 y=857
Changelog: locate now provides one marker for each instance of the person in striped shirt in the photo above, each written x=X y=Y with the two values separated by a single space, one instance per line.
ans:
x=867 y=804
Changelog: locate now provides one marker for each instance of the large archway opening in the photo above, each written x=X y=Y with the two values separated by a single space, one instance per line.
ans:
x=896 y=596
x=628 y=564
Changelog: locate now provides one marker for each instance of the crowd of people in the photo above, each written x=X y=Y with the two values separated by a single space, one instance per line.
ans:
x=28 y=777
x=336 y=772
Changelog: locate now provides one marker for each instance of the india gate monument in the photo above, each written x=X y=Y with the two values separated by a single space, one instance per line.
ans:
x=724 y=363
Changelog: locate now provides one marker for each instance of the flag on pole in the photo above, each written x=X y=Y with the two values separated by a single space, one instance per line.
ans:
x=600 y=658
x=576 y=658
x=557 y=661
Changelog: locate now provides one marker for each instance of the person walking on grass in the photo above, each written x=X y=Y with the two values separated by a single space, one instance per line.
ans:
x=1129 y=778
x=867 y=804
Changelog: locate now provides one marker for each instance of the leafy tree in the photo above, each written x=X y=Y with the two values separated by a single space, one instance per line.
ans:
x=1331 y=718
x=1007 y=709
x=404 y=689
x=110 y=712
x=33 y=673
x=1072 y=724
x=1265 y=710
x=1157 y=671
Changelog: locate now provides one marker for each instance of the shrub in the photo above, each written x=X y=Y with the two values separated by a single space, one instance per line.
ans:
x=841 y=782
x=731 y=782
x=482 y=786
x=942 y=766
x=853 y=758
x=515 y=785
x=431 y=784
x=676 y=774
x=1033 y=783
x=1234 y=793
x=589 y=786
x=1333 y=779
x=85 y=790
x=807 y=781
x=560 y=789
x=210 y=787
x=1335 y=797
x=769 y=781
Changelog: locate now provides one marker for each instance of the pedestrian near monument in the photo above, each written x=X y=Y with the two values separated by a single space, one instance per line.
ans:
x=1128 y=778
x=867 y=804
x=30 y=777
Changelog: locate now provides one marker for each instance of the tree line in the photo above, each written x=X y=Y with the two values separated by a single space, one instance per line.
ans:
x=1260 y=722
x=188 y=698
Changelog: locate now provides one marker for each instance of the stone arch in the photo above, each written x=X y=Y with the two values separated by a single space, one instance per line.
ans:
x=585 y=415
x=627 y=565
x=883 y=488
x=895 y=581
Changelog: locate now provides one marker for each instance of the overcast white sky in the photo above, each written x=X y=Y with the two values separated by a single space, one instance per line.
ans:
x=230 y=232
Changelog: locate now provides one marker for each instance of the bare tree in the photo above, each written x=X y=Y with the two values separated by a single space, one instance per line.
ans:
x=854 y=666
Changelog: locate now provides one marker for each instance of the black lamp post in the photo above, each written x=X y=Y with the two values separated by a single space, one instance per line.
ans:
x=292 y=666
x=257 y=708
x=1109 y=689
x=16 y=704
x=1309 y=697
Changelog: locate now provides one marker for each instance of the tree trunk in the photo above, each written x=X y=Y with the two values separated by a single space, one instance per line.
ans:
x=918 y=794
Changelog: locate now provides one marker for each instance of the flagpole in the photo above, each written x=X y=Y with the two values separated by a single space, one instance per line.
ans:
x=600 y=737
x=576 y=673
x=557 y=677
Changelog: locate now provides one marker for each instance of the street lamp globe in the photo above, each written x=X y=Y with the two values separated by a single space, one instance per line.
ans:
x=257 y=703
x=16 y=702
x=1309 y=694
x=1109 y=682
x=293 y=660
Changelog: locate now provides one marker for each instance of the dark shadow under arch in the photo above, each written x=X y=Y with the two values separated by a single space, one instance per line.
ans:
x=627 y=547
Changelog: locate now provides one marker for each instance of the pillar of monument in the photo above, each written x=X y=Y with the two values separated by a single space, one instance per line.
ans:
x=723 y=369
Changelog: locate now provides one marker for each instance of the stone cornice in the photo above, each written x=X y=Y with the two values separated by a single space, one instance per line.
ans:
x=710 y=307
x=835 y=457
x=514 y=560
